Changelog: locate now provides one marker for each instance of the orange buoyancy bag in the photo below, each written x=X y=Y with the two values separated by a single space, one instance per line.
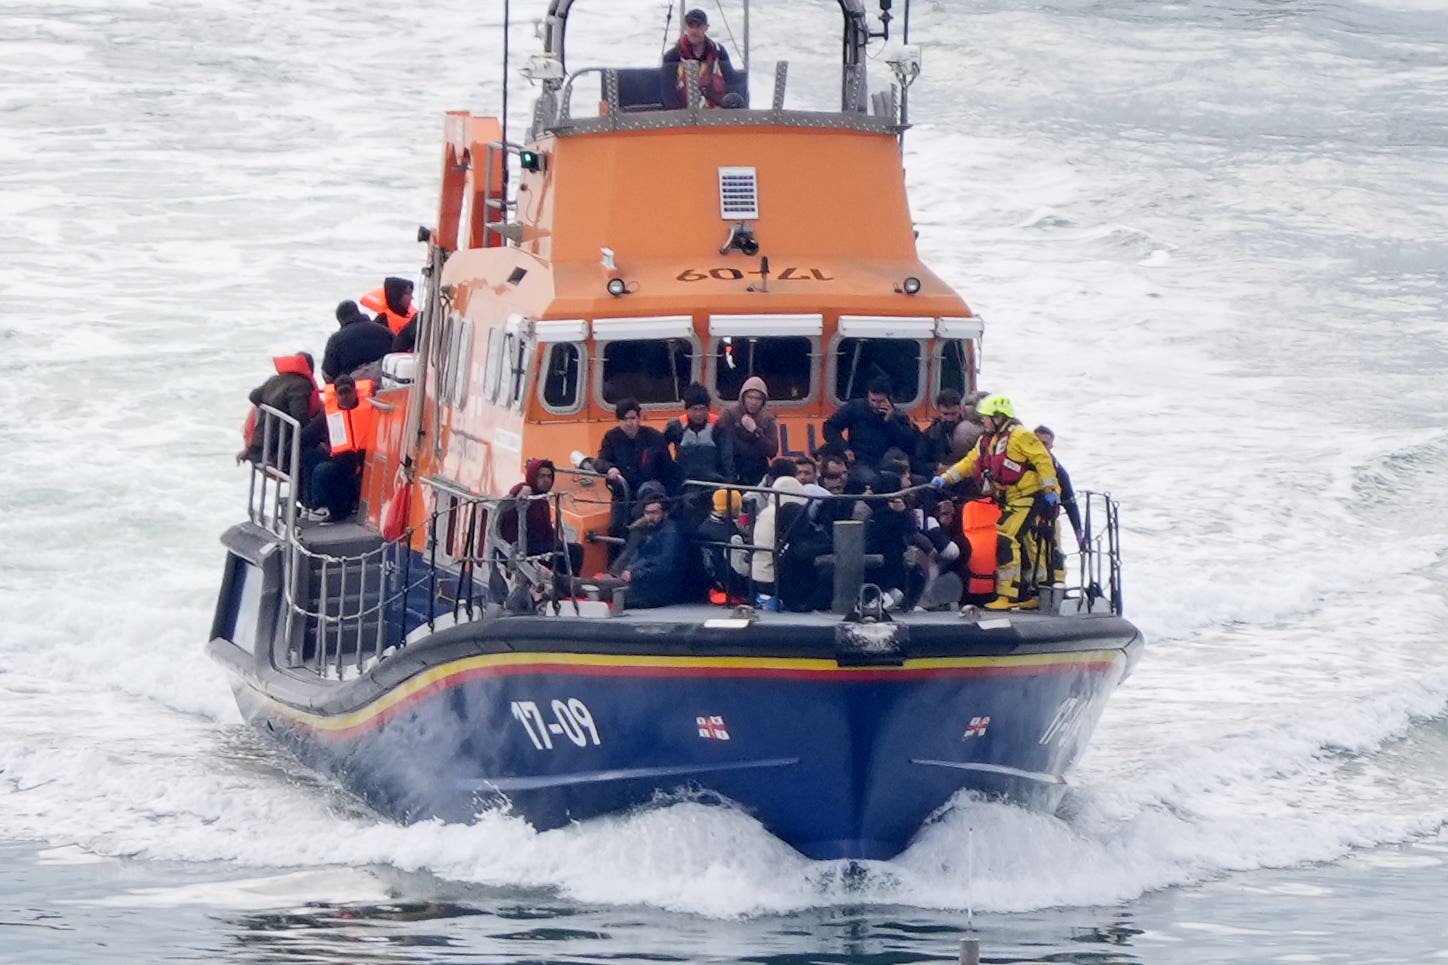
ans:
x=978 y=520
x=350 y=430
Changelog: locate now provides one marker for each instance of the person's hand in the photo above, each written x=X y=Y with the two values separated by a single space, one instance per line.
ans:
x=525 y=491
x=747 y=421
x=1080 y=538
x=938 y=482
x=614 y=473
x=850 y=457
x=628 y=576
x=1053 y=498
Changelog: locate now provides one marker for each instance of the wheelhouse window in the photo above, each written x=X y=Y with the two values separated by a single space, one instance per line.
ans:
x=858 y=361
x=562 y=372
x=786 y=364
x=520 y=360
x=653 y=371
x=955 y=365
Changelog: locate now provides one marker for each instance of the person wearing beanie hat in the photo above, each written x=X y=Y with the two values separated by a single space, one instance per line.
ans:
x=727 y=569
x=700 y=451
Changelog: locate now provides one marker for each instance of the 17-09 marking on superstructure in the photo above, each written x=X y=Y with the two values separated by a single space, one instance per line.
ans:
x=730 y=273
x=571 y=718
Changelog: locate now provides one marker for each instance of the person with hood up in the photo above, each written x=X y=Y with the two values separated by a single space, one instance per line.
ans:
x=358 y=344
x=538 y=475
x=761 y=565
x=804 y=537
x=293 y=390
x=1012 y=466
x=392 y=303
x=701 y=451
x=752 y=431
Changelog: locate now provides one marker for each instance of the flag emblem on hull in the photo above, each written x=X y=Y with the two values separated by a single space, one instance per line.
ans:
x=976 y=728
x=712 y=728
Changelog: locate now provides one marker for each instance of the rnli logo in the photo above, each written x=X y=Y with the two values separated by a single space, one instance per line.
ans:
x=712 y=728
x=976 y=728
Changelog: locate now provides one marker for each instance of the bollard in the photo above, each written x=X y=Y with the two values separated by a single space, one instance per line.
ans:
x=849 y=554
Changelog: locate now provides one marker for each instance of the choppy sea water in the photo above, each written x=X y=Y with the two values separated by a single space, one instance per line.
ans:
x=1210 y=241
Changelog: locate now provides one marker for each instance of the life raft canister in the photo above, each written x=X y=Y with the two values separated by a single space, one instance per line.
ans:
x=376 y=301
x=978 y=519
x=350 y=430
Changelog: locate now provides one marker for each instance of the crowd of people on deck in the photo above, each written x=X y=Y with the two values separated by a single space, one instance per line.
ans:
x=336 y=429
x=964 y=511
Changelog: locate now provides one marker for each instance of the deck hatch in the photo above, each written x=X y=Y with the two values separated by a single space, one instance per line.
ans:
x=738 y=194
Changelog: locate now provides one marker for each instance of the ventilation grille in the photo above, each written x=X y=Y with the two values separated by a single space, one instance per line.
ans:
x=738 y=194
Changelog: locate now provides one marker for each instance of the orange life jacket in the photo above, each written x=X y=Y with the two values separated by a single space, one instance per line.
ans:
x=350 y=430
x=978 y=520
x=376 y=301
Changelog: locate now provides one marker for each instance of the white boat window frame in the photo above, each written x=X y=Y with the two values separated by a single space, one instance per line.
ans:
x=520 y=376
x=580 y=388
x=601 y=344
x=711 y=371
x=922 y=375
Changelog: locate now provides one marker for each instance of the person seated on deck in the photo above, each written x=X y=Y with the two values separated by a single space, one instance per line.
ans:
x=761 y=566
x=336 y=480
x=862 y=430
x=753 y=433
x=804 y=584
x=708 y=60
x=293 y=391
x=357 y=346
x=630 y=455
x=649 y=566
x=806 y=470
x=727 y=569
x=890 y=529
x=700 y=450
x=392 y=303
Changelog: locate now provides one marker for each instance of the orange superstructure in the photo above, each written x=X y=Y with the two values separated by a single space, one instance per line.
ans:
x=599 y=275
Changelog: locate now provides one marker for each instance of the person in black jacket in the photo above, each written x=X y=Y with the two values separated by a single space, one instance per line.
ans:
x=867 y=428
x=630 y=455
x=360 y=341
x=1068 y=493
x=937 y=442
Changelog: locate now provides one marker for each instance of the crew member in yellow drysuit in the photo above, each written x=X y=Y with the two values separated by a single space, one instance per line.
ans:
x=1012 y=466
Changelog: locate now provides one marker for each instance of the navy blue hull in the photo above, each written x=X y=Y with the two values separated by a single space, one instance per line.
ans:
x=840 y=762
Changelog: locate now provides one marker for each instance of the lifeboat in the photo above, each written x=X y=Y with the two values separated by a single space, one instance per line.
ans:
x=420 y=655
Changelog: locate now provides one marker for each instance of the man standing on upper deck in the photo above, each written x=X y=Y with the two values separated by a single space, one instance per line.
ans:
x=1014 y=468
x=715 y=73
